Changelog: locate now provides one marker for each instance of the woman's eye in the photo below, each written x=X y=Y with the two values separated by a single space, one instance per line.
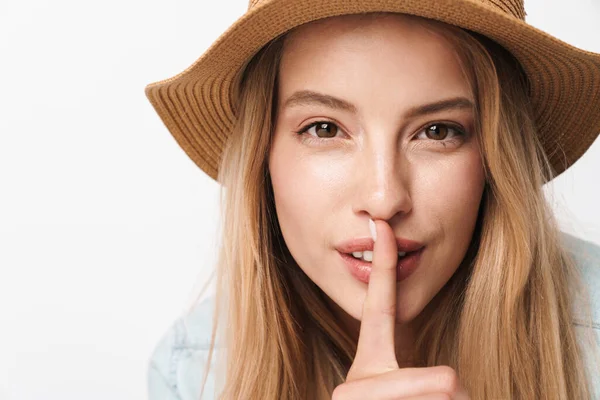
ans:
x=440 y=131
x=322 y=129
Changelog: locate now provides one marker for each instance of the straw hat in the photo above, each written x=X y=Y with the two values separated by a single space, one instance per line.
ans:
x=197 y=108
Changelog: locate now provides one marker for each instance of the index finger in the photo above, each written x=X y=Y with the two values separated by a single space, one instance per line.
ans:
x=375 y=351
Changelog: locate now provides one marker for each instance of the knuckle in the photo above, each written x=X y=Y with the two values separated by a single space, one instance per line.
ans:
x=388 y=310
x=448 y=379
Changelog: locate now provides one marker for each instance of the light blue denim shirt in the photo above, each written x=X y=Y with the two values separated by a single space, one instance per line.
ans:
x=178 y=363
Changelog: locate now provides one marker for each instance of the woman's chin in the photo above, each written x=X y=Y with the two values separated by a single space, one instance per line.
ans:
x=350 y=300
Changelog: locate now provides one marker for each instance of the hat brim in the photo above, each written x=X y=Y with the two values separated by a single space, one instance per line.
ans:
x=196 y=105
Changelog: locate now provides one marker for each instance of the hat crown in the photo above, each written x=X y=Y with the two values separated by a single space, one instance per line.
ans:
x=515 y=8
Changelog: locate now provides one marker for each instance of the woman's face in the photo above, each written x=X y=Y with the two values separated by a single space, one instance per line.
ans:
x=385 y=147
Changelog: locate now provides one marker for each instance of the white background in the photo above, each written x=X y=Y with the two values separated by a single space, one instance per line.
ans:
x=106 y=227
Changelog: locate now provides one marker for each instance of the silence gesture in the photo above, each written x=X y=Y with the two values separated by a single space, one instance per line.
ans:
x=375 y=374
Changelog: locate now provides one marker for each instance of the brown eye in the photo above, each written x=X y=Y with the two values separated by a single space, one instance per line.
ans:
x=325 y=129
x=443 y=134
x=437 y=132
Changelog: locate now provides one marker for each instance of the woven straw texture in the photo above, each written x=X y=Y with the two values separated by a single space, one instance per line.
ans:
x=197 y=104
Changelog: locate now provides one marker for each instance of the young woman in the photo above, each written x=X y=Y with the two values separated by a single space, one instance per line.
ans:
x=385 y=232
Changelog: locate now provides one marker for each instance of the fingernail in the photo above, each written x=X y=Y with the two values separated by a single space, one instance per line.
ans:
x=373 y=229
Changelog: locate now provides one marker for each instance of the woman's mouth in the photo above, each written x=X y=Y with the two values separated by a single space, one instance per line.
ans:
x=359 y=264
x=368 y=255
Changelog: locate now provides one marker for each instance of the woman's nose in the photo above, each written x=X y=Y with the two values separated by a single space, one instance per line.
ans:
x=383 y=185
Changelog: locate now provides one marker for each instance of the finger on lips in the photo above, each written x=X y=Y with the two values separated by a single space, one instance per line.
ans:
x=375 y=373
x=375 y=349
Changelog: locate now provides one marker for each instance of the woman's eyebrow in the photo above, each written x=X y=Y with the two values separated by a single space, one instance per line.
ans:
x=308 y=97
x=455 y=103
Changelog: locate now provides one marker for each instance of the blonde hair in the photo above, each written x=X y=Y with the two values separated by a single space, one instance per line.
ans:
x=504 y=319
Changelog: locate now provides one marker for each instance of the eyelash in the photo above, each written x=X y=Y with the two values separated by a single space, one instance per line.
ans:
x=460 y=132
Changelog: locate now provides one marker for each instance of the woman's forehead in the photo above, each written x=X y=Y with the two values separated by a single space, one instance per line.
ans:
x=373 y=60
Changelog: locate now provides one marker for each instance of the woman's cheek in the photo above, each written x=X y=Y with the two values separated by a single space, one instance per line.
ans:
x=449 y=193
x=304 y=187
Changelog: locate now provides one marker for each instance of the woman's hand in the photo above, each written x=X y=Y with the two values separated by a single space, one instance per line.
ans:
x=375 y=374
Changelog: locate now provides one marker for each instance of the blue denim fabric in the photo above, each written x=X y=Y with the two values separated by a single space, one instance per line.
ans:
x=177 y=365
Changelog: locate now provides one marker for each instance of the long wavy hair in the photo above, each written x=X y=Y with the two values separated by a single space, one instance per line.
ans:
x=504 y=320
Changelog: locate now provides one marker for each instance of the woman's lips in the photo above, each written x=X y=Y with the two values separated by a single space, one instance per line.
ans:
x=367 y=243
x=361 y=270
